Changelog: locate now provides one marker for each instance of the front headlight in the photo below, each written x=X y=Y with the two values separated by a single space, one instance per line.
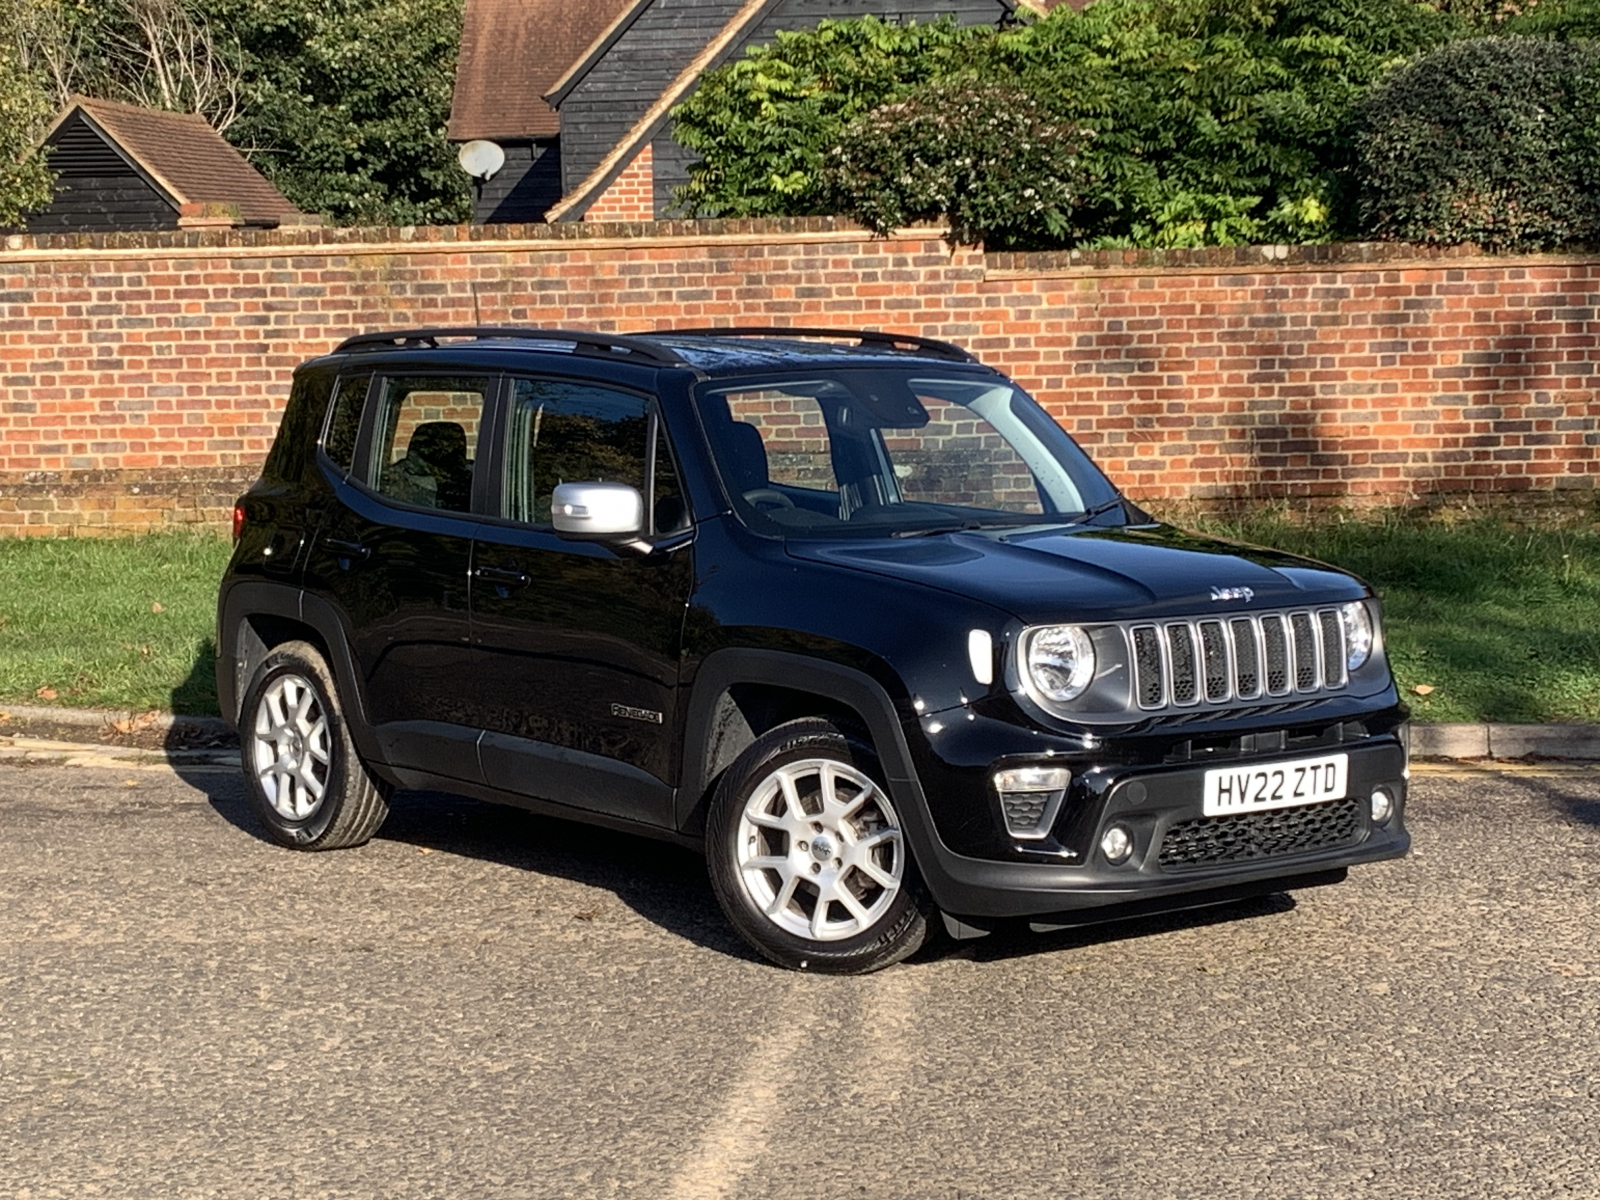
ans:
x=1059 y=660
x=1357 y=634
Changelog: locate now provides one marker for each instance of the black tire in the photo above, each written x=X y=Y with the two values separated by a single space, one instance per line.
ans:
x=353 y=803
x=900 y=918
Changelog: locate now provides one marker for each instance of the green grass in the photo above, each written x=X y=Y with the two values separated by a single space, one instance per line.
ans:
x=77 y=617
x=1503 y=623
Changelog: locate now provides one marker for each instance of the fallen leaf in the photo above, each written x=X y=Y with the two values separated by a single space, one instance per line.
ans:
x=424 y=849
x=587 y=914
x=1423 y=689
x=130 y=783
x=124 y=726
x=4 y=717
x=157 y=608
x=46 y=693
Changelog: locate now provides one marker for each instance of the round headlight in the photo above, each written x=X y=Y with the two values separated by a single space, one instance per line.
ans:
x=1357 y=634
x=1060 y=662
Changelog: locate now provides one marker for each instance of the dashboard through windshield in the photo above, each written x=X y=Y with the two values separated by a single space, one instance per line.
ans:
x=894 y=452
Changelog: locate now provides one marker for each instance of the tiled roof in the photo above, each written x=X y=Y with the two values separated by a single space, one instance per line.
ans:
x=183 y=155
x=512 y=52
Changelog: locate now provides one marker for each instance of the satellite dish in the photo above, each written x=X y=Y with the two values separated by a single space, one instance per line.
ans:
x=481 y=159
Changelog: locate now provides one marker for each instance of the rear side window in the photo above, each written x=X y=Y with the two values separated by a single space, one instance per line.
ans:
x=425 y=440
x=339 y=443
x=563 y=432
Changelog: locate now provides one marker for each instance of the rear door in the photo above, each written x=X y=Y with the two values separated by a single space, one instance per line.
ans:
x=394 y=555
x=577 y=643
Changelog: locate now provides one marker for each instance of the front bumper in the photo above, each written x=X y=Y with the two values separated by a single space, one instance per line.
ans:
x=1151 y=801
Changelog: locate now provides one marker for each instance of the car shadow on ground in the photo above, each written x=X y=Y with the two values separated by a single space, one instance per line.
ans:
x=666 y=884
x=663 y=883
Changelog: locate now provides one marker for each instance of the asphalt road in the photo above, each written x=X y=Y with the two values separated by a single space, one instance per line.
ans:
x=485 y=1004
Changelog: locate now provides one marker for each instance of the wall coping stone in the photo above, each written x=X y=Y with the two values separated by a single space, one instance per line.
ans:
x=331 y=239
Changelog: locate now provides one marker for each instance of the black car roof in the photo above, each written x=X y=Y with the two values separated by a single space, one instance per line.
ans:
x=734 y=350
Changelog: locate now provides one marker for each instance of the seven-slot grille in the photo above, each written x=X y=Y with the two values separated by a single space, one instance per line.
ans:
x=1218 y=659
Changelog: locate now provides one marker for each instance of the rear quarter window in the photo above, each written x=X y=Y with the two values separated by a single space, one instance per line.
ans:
x=308 y=404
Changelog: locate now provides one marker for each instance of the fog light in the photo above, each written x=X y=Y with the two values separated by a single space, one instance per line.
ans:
x=1030 y=798
x=1116 y=845
x=1382 y=806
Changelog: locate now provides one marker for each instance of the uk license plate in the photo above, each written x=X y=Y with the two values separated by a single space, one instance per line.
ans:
x=1264 y=786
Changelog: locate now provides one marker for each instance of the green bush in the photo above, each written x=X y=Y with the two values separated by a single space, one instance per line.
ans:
x=1213 y=121
x=985 y=158
x=1561 y=19
x=763 y=125
x=1494 y=141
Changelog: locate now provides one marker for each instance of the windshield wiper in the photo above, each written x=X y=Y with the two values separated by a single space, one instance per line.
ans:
x=1090 y=514
x=963 y=526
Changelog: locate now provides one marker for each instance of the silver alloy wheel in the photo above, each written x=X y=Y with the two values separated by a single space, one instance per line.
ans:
x=290 y=749
x=820 y=851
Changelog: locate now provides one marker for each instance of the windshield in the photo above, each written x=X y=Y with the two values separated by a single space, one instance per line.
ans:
x=894 y=452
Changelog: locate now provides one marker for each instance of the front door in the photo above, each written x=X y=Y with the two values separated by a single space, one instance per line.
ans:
x=394 y=554
x=577 y=643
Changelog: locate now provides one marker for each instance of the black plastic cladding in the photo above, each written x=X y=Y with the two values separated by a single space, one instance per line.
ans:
x=749 y=609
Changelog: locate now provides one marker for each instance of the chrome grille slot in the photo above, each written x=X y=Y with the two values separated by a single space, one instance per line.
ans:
x=1180 y=646
x=1214 y=654
x=1305 y=651
x=1238 y=658
x=1247 y=661
x=1333 y=652
x=1277 y=648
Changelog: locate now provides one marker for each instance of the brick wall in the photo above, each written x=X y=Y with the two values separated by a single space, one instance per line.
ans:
x=632 y=194
x=142 y=375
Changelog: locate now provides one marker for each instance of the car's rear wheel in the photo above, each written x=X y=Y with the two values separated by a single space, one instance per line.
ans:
x=306 y=781
x=808 y=855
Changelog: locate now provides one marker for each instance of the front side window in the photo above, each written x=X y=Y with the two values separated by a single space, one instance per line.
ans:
x=566 y=432
x=425 y=440
x=891 y=451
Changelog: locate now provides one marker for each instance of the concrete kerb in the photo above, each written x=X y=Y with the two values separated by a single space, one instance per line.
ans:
x=1579 y=742
x=1571 y=742
x=100 y=717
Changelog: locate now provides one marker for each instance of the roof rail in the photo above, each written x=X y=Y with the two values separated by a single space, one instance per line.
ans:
x=584 y=341
x=863 y=337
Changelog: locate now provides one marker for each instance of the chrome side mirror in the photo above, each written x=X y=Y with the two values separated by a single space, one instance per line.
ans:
x=597 y=511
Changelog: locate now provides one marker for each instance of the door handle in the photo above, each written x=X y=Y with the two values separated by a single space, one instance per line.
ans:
x=347 y=550
x=501 y=577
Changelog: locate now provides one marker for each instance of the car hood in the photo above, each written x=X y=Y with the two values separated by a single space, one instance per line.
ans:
x=1042 y=573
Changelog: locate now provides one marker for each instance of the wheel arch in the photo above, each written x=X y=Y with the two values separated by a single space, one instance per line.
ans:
x=740 y=694
x=257 y=616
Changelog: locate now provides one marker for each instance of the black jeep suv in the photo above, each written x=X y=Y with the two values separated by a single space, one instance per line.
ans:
x=848 y=611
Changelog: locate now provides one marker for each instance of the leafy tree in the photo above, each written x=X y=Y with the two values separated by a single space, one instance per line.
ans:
x=24 y=176
x=764 y=124
x=1494 y=141
x=344 y=104
x=985 y=158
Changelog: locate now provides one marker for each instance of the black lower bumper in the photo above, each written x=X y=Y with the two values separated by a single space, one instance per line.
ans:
x=1151 y=803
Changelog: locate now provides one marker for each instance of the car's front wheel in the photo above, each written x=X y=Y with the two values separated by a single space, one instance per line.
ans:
x=808 y=856
x=306 y=781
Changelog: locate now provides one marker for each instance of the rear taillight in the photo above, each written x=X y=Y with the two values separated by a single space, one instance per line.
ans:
x=238 y=521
